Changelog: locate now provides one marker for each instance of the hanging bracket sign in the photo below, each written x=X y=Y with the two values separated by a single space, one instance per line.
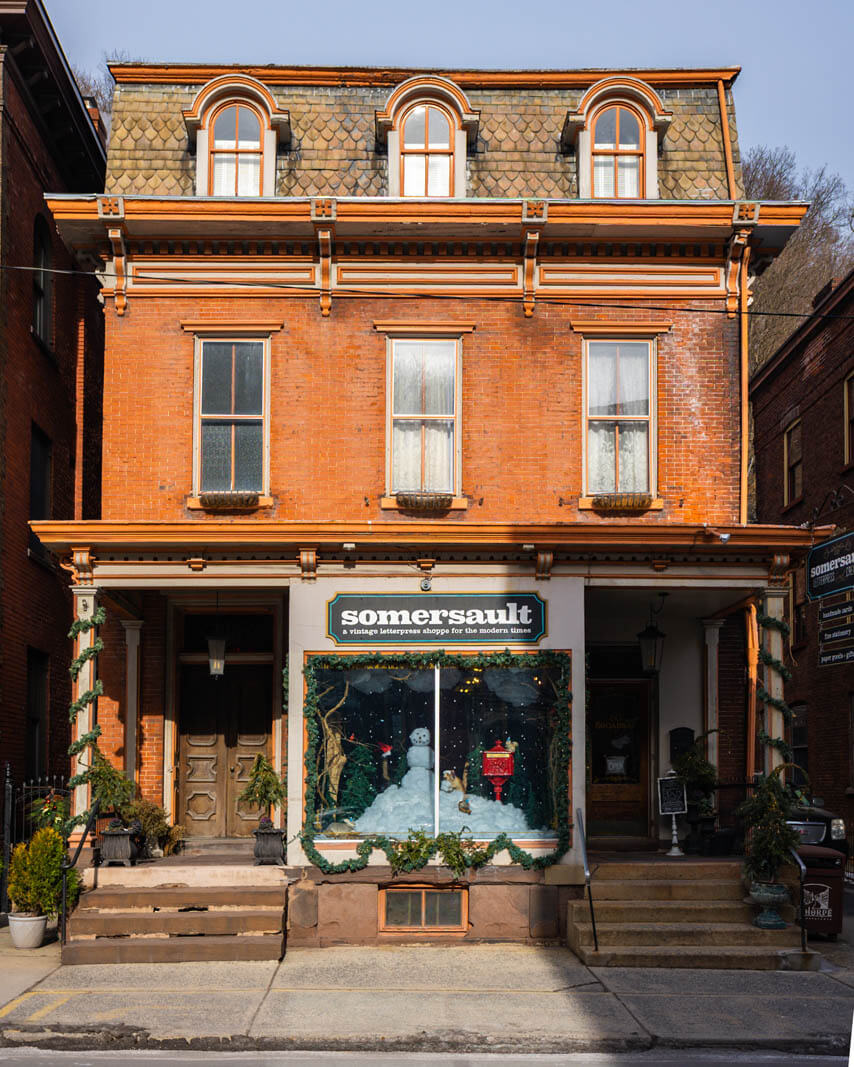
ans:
x=830 y=567
x=436 y=618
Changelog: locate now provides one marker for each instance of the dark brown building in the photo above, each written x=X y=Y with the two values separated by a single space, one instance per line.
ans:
x=803 y=411
x=51 y=343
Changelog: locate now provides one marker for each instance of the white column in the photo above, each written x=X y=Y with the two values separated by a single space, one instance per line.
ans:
x=85 y=604
x=132 y=629
x=711 y=633
x=772 y=641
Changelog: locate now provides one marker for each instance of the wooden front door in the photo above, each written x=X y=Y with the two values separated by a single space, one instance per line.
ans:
x=618 y=758
x=224 y=723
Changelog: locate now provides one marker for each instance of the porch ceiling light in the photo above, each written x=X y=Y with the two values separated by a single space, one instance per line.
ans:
x=216 y=656
x=651 y=640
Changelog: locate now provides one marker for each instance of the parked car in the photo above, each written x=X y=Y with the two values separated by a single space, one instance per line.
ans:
x=818 y=826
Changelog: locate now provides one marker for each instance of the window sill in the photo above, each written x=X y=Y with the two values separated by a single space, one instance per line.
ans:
x=587 y=503
x=793 y=504
x=43 y=558
x=458 y=503
x=194 y=503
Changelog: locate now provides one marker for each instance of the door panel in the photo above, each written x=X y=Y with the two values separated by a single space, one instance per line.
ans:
x=224 y=723
x=618 y=758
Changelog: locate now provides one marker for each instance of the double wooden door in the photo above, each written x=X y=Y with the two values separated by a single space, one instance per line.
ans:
x=224 y=723
x=618 y=733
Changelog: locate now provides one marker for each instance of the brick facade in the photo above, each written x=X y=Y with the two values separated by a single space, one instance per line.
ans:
x=805 y=380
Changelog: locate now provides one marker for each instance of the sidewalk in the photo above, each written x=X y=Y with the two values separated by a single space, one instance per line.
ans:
x=497 y=998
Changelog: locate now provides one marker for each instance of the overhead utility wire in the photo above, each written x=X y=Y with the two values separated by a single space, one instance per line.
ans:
x=311 y=292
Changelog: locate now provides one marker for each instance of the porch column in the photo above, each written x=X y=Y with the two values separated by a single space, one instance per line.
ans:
x=85 y=605
x=772 y=641
x=711 y=632
x=132 y=629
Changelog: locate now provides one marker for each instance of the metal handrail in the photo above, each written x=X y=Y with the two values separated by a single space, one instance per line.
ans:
x=579 y=821
x=68 y=864
x=802 y=871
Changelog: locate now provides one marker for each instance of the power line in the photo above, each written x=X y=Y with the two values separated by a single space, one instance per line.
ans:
x=311 y=292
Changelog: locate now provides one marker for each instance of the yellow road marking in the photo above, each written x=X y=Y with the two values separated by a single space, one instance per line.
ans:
x=10 y=1007
x=48 y=1008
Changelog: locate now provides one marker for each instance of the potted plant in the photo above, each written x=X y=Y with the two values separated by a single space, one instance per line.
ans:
x=157 y=837
x=769 y=841
x=119 y=843
x=35 y=886
x=264 y=789
x=701 y=780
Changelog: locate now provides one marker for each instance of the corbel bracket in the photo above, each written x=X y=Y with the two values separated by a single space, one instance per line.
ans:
x=778 y=571
x=535 y=214
x=324 y=211
x=117 y=242
x=308 y=563
x=737 y=245
x=545 y=561
x=79 y=566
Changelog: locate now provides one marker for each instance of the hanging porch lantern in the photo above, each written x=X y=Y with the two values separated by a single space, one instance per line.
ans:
x=651 y=640
x=216 y=656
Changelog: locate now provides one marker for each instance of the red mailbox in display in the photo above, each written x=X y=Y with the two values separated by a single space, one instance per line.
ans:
x=497 y=766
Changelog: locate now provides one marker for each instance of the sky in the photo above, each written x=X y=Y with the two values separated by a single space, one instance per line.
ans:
x=796 y=58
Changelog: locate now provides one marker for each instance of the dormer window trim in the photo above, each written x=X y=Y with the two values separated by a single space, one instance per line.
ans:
x=435 y=92
x=634 y=95
x=242 y=91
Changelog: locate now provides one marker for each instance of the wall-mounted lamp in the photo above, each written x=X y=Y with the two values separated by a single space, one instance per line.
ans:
x=651 y=640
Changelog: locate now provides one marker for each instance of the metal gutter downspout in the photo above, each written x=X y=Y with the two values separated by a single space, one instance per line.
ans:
x=745 y=379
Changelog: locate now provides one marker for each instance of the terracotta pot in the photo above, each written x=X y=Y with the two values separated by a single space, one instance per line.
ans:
x=27 y=930
x=769 y=896
x=269 y=847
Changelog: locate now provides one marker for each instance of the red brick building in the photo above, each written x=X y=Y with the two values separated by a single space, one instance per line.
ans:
x=803 y=411
x=403 y=362
x=51 y=347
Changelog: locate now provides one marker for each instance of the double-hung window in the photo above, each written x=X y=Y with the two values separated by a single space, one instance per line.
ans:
x=793 y=463
x=232 y=422
x=619 y=417
x=424 y=438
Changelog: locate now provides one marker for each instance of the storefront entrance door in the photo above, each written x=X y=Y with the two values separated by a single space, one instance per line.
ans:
x=224 y=724
x=618 y=758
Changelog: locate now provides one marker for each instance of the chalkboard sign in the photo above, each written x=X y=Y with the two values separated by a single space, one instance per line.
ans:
x=671 y=796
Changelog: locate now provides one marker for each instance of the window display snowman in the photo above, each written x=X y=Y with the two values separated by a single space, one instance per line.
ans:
x=419 y=760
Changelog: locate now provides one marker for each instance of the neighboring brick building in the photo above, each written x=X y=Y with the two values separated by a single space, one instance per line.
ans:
x=803 y=412
x=51 y=346
x=467 y=342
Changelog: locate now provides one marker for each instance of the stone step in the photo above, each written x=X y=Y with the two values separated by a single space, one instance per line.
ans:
x=692 y=935
x=662 y=869
x=173 y=949
x=230 y=872
x=129 y=898
x=726 y=957
x=672 y=911
x=663 y=889
x=139 y=924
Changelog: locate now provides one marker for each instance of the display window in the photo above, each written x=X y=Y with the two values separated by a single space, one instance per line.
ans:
x=452 y=747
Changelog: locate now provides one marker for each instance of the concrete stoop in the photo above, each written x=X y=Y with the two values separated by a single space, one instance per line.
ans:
x=679 y=913
x=173 y=923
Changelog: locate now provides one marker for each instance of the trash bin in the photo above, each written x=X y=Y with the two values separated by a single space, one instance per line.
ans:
x=823 y=895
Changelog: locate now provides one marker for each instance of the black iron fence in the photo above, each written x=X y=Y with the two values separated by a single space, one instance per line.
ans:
x=26 y=806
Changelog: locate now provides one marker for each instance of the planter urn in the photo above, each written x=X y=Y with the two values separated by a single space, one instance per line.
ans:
x=769 y=896
x=27 y=930
x=269 y=848
x=118 y=846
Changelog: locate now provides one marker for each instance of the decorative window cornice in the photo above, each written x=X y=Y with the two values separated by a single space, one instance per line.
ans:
x=615 y=89
x=237 y=87
x=427 y=88
x=633 y=328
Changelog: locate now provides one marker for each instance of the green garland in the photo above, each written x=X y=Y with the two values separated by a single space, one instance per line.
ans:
x=418 y=849
x=768 y=622
x=90 y=738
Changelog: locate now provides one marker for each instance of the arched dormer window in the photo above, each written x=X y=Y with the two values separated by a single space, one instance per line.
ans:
x=428 y=127
x=615 y=130
x=236 y=126
x=618 y=142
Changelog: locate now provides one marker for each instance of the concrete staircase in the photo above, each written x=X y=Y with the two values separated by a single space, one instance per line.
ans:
x=677 y=913
x=210 y=904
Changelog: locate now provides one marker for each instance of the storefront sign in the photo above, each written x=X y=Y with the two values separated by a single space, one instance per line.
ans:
x=437 y=618
x=836 y=633
x=830 y=567
x=838 y=613
x=837 y=657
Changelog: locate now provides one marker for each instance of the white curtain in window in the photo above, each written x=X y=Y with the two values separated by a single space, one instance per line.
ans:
x=603 y=175
x=406 y=455
x=628 y=176
x=249 y=175
x=601 y=457
x=634 y=379
x=223 y=174
x=439 y=456
x=634 y=463
x=602 y=383
x=439 y=176
x=413 y=175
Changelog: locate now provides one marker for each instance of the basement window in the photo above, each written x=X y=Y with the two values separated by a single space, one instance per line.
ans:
x=419 y=908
